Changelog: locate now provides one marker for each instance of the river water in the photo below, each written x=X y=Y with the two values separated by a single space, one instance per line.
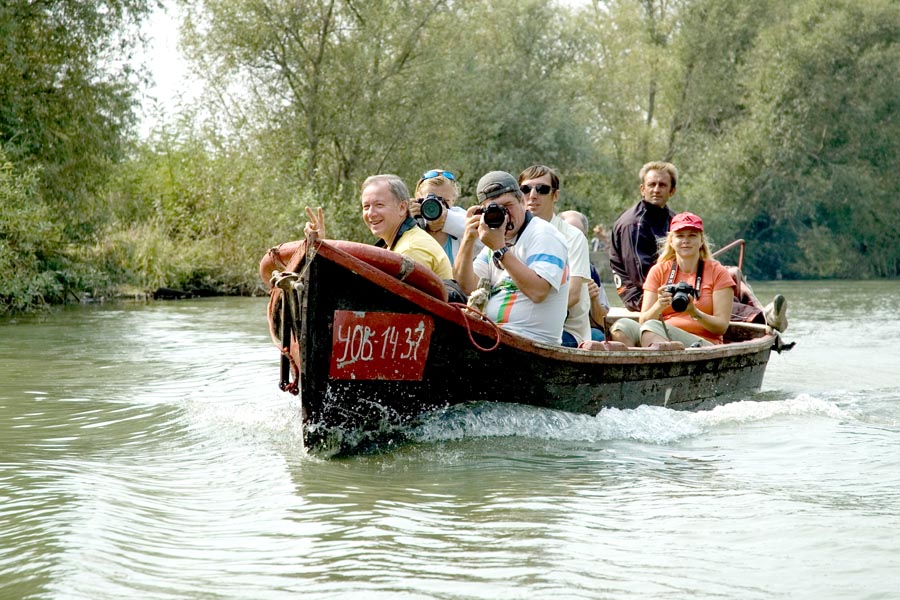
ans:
x=146 y=452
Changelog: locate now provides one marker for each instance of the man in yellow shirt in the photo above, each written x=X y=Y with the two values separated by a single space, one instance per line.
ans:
x=385 y=210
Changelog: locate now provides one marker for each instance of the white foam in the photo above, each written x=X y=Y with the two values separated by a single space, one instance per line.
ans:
x=648 y=424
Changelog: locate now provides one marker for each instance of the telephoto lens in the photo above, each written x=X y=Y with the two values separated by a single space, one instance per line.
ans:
x=432 y=207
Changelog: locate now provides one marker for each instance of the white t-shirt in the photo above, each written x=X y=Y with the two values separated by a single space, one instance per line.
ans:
x=543 y=249
x=455 y=226
x=578 y=321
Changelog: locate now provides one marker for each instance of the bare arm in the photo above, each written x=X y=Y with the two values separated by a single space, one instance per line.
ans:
x=575 y=285
x=598 y=309
x=717 y=322
x=654 y=303
x=530 y=283
x=463 y=271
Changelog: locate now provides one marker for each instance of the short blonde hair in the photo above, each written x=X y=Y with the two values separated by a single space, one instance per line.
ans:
x=668 y=250
x=662 y=167
x=435 y=182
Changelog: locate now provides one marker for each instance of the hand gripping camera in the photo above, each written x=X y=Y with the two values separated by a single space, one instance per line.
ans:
x=432 y=207
x=681 y=295
x=493 y=215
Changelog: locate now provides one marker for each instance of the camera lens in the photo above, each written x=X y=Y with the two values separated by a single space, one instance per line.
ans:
x=494 y=215
x=432 y=208
x=680 y=301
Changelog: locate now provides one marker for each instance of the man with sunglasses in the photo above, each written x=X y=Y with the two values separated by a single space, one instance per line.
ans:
x=540 y=185
x=524 y=261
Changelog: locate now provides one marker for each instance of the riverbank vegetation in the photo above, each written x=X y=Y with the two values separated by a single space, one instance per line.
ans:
x=781 y=116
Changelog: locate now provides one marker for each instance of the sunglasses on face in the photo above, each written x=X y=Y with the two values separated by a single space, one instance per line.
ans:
x=437 y=173
x=543 y=189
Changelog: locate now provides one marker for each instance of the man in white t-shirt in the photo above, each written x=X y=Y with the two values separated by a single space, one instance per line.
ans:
x=540 y=185
x=524 y=259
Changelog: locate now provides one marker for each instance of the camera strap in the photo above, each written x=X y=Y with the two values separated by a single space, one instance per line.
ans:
x=674 y=271
x=528 y=217
x=405 y=226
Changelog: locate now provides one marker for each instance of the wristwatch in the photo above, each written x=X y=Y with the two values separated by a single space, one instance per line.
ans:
x=498 y=254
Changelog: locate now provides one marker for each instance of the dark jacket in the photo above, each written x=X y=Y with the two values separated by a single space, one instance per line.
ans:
x=634 y=245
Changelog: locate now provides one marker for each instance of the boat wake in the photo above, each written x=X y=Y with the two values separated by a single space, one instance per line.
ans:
x=266 y=422
x=647 y=424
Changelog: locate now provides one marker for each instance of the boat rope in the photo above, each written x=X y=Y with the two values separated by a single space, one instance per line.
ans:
x=407 y=266
x=289 y=366
x=287 y=286
x=463 y=309
x=275 y=253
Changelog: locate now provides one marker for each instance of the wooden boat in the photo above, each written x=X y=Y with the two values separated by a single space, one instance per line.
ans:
x=369 y=353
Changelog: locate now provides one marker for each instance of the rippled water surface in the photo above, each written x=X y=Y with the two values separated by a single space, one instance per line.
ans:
x=146 y=452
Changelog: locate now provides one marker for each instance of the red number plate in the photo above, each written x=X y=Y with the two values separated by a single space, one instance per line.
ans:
x=377 y=345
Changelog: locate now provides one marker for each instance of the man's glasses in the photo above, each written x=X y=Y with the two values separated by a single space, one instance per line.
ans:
x=437 y=173
x=543 y=189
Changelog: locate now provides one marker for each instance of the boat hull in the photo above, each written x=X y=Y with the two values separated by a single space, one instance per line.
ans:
x=374 y=354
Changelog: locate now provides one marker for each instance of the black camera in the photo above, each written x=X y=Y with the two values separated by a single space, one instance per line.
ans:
x=432 y=207
x=493 y=215
x=681 y=295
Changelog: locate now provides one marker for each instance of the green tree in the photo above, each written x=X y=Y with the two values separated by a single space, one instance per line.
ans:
x=360 y=88
x=25 y=233
x=67 y=92
x=809 y=164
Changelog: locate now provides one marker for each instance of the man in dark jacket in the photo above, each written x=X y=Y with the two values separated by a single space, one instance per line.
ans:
x=638 y=232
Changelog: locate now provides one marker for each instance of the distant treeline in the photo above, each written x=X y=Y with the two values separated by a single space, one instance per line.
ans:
x=782 y=118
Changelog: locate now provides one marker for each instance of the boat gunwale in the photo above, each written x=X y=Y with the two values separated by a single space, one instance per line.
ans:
x=454 y=314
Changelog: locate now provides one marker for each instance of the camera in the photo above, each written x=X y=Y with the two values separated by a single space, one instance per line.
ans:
x=493 y=215
x=432 y=207
x=681 y=295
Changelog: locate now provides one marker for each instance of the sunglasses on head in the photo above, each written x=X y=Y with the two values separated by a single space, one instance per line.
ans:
x=437 y=173
x=543 y=189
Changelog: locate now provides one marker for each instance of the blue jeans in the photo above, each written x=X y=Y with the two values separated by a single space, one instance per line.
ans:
x=568 y=340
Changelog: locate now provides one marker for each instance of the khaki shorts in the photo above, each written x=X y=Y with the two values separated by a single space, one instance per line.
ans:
x=633 y=330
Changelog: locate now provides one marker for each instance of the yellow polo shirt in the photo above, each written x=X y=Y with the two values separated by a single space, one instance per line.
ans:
x=425 y=250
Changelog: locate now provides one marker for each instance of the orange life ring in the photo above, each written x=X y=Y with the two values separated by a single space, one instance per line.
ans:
x=278 y=258
x=395 y=265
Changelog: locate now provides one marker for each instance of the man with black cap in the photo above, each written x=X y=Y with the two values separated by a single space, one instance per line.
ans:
x=524 y=260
